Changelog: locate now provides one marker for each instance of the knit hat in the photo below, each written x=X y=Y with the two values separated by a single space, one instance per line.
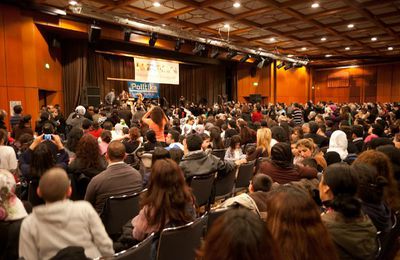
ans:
x=80 y=110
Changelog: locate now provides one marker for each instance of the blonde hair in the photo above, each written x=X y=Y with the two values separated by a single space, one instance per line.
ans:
x=264 y=137
x=306 y=142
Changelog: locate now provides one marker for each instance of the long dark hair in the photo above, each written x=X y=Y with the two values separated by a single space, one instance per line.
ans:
x=88 y=152
x=167 y=196
x=215 y=138
x=157 y=115
x=42 y=160
x=239 y=234
x=295 y=223
x=343 y=183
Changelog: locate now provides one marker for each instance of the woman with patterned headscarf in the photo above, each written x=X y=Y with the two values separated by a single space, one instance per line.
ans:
x=12 y=212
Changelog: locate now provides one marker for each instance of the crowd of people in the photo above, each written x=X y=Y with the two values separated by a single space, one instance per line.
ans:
x=326 y=177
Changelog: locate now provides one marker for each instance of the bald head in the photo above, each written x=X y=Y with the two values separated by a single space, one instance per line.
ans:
x=54 y=185
x=116 y=151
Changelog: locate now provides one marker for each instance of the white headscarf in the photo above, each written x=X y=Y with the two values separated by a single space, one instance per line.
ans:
x=338 y=143
x=11 y=208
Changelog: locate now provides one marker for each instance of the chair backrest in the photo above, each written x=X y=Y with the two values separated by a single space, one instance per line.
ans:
x=140 y=251
x=214 y=215
x=245 y=173
x=224 y=186
x=220 y=153
x=181 y=242
x=118 y=210
x=202 y=188
x=33 y=198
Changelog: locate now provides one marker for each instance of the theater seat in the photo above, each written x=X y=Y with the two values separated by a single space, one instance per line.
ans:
x=244 y=175
x=202 y=188
x=118 y=210
x=181 y=242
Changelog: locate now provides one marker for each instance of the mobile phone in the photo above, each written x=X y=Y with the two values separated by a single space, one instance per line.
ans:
x=47 y=137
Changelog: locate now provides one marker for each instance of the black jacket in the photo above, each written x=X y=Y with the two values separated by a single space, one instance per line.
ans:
x=9 y=239
x=199 y=163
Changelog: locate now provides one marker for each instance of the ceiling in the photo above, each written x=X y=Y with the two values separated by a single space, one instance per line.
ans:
x=290 y=27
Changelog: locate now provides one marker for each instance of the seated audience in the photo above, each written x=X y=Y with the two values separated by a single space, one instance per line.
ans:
x=338 y=143
x=296 y=226
x=168 y=201
x=61 y=223
x=12 y=212
x=370 y=191
x=8 y=158
x=118 y=179
x=319 y=140
x=134 y=141
x=263 y=145
x=23 y=127
x=358 y=134
x=73 y=138
x=197 y=162
x=307 y=149
x=281 y=168
x=172 y=140
x=351 y=230
x=151 y=142
x=234 y=151
x=239 y=235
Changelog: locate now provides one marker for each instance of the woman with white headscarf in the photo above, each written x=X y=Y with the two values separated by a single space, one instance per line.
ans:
x=12 y=212
x=338 y=143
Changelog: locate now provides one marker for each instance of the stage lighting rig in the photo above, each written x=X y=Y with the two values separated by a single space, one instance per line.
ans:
x=153 y=39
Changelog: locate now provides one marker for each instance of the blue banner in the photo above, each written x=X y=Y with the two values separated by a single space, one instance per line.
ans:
x=148 y=90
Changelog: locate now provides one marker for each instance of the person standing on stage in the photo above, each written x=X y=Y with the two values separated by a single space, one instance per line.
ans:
x=110 y=97
x=156 y=119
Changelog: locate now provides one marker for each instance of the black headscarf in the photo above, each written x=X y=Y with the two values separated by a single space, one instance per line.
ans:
x=281 y=155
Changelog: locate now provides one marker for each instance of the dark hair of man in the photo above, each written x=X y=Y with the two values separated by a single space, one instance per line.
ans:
x=343 y=183
x=358 y=130
x=116 y=151
x=107 y=125
x=17 y=109
x=159 y=153
x=261 y=182
x=194 y=142
x=167 y=196
x=313 y=127
x=53 y=185
x=48 y=128
x=86 y=124
x=106 y=136
x=239 y=234
x=175 y=135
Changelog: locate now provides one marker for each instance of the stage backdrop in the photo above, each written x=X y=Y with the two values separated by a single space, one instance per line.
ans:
x=156 y=71
x=195 y=82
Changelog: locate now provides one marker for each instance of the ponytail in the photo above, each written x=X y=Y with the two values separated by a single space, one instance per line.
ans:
x=346 y=204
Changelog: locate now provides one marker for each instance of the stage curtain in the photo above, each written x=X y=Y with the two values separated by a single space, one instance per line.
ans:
x=74 y=66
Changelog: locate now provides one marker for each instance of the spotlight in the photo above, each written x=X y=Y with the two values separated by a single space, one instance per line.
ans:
x=178 y=44
x=244 y=58
x=153 y=39
x=214 y=52
x=231 y=54
x=288 y=66
x=127 y=35
x=315 y=5
x=297 y=65
x=198 y=48
x=236 y=4
x=390 y=48
x=280 y=65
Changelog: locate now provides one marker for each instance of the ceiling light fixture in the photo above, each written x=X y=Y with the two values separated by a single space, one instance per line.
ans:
x=236 y=5
x=328 y=55
x=315 y=5
x=127 y=35
x=227 y=26
x=390 y=48
x=231 y=54
x=163 y=25
x=214 y=52
x=374 y=39
x=178 y=44
x=156 y=4
x=350 y=25
x=73 y=2
x=290 y=55
x=304 y=48
x=288 y=66
x=323 y=39
x=245 y=58
x=347 y=48
x=280 y=65
x=272 y=39
x=198 y=48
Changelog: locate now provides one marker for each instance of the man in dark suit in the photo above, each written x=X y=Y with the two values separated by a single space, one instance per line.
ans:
x=320 y=140
x=358 y=141
x=119 y=178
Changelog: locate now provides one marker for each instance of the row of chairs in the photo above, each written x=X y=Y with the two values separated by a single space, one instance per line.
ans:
x=186 y=238
x=206 y=189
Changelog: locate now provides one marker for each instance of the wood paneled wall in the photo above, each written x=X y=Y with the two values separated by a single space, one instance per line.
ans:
x=292 y=85
x=246 y=82
x=24 y=52
x=363 y=83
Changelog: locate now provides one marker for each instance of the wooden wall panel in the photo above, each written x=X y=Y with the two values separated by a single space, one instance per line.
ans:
x=395 y=87
x=246 y=83
x=2 y=52
x=28 y=51
x=384 y=79
x=32 y=103
x=292 y=85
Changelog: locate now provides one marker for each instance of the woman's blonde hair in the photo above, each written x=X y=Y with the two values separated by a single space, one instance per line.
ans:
x=264 y=137
x=306 y=142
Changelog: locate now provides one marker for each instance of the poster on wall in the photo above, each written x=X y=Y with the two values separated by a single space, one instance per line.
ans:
x=148 y=90
x=156 y=71
x=12 y=105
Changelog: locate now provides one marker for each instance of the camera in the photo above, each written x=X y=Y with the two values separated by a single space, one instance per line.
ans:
x=47 y=137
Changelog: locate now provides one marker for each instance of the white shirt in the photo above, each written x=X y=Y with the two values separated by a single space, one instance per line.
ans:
x=8 y=159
